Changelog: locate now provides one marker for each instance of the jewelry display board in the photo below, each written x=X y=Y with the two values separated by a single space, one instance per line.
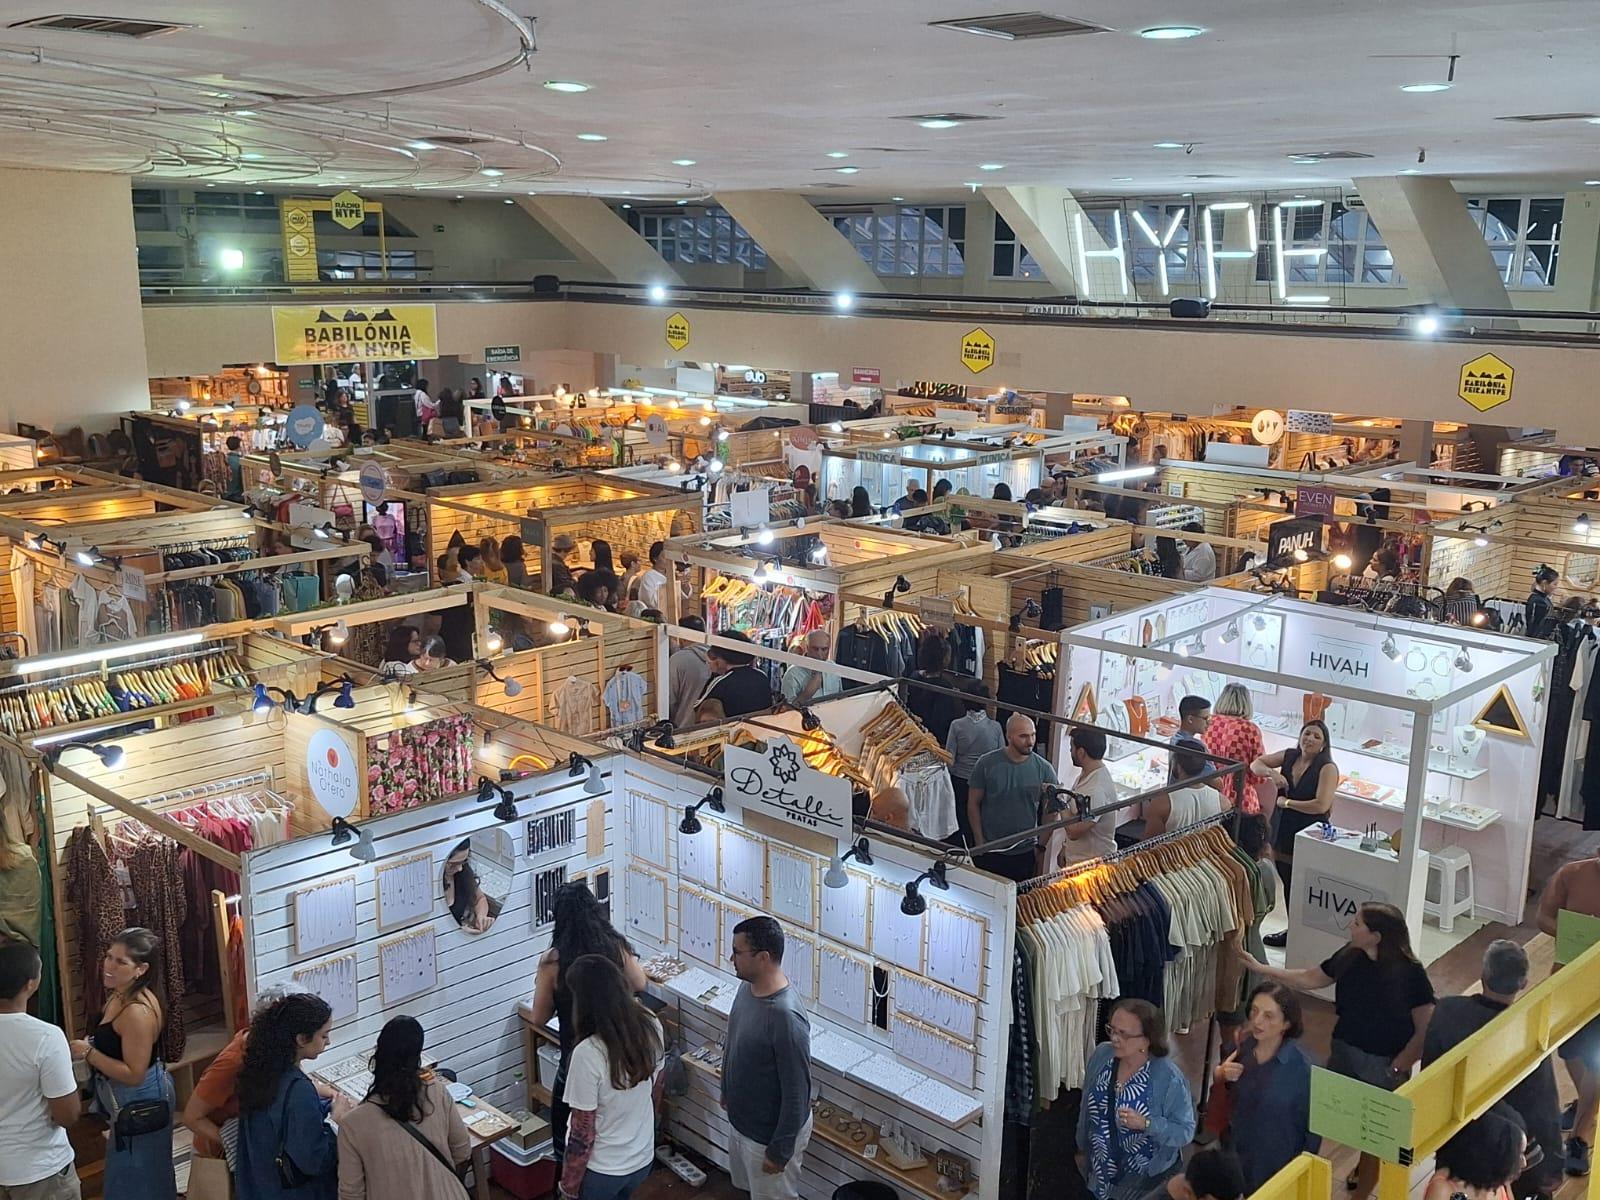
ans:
x=325 y=915
x=405 y=890
x=546 y=884
x=957 y=942
x=934 y=1051
x=742 y=870
x=647 y=829
x=336 y=980
x=700 y=927
x=800 y=965
x=940 y=1007
x=844 y=984
x=1262 y=648
x=792 y=877
x=407 y=966
x=845 y=910
x=697 y=856
x=552 y=831
x=646 y=902
x=896 y=937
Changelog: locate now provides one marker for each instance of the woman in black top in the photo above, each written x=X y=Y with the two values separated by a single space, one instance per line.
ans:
x=1538 y=611
x=580 y=927
x=860 y=502
x=1384 y=1000
x=1307 y=778
x=1167 y=556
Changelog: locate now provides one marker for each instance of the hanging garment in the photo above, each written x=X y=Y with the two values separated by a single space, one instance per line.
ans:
x=419 y=764
x=158 y=892
x=625 y=697
x=91 y=885
x=572 y=705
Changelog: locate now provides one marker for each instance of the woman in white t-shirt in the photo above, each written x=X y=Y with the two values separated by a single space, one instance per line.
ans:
x=613 y=1084
x=1184 y=803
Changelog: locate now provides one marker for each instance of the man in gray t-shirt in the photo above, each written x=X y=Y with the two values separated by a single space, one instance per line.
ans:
x=1003 y=798
x=766 y=1068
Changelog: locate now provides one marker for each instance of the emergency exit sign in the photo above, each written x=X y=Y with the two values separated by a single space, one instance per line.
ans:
x=502 y=354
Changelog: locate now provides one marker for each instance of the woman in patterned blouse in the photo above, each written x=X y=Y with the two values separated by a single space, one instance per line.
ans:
x=1232 y=734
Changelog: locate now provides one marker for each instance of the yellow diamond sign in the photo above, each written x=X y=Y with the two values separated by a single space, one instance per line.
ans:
x=977 y=351
x=1486 y=382
x=349 y=209
x=677 y=331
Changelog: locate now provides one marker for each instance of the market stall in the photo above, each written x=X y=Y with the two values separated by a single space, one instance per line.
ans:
x=187 y=447
x=1422 y=718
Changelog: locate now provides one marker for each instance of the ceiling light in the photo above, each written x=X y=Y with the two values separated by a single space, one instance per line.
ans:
x=230 y=258
x=591 y=137
x=657 y=293
x=683 y=162
x=1425 y=87
x=245 y=112
x=1480 y=541
x=681 y=203
x=1171 y=33
x=491 y=172
x=1343 y=561
x=847 y=170
x=565 y=85
x=627 y=206
x=1411 y=171
x=1591 y=183
x=837 y=154
x=938 y=123
x=1167 y=146
x=991 y=166
x=422 y=145
x=559 y=627
x=252 y=156
x=510 y=201
x=1122 y=179
x=843 y=300
x=764 y=537
x=1426 y=326
x=901 y=199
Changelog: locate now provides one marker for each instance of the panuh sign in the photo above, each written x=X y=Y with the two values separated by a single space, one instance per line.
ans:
x=777 y=782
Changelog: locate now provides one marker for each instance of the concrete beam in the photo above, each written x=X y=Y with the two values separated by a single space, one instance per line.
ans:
x=801 y=241
x=1436 y=245
x=599 y=237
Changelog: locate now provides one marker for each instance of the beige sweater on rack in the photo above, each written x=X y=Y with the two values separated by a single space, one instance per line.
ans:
x=378 y=1159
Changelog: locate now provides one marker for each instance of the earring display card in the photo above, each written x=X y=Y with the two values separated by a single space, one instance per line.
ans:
x=896 y=937
x=1261 y=646
x=700 y=928
x=792 y=885
x=647 y=904
x=843 y=984
x=844 y=910
x=957 y=943
x=647 y=829
x=336 y=981
x=325 y=915
x=953 y=1012
x=800 y=965
x=552 y=831
x=407 y=966
x=697 y=854
x=743 y=867
x=935 y=1052
x=405 y=890
x=545 y=885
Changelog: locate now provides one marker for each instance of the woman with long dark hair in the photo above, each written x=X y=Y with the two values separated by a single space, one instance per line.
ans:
x=612 y=1084
x=581 y=927
x=600 y=554
x=406 y=1138
x=1268 y=1080
x=401 y=648
x=1384 y=1001
x=286 y=1149
x=473 y=908
x=860 y=502
x=1306 y=777
x=131 y=1084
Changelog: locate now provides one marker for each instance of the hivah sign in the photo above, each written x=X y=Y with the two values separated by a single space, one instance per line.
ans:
x=311 y=333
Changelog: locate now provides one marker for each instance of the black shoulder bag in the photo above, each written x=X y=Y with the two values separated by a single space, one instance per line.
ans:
x=430 y=1148
x=289 y=1174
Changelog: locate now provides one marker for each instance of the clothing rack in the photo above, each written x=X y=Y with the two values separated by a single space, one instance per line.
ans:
x=125 y=665
x=1106 y=860
x=206 y=791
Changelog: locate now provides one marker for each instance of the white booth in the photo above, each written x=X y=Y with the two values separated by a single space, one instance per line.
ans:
x=1436 y=729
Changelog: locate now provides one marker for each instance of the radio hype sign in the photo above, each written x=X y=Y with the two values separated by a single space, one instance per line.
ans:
x=305 y=334
x=776 y=781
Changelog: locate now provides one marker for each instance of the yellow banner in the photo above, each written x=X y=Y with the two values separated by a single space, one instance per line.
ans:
x=299 y=240
x=339 y=334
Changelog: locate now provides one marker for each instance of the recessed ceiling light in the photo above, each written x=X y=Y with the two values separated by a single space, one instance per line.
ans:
x=1167 y=146
x=837 y=154
x=244 y=112
x=591 y=137
x=681 y=203
x=459 y=196
x=565 y=85
x=1122 y=179
x=938 y=123
x=1586 y=183
x=422 y=145
x=211 y=185
x=1425 y=87
x=898 y=199
x=261 y=193
x=509 y=200
x=847 y=170
x=1411 y=171
x=492 y=172
x=683 y=162
x=1171 y=33
x=991 y=166
x=627 y=206
x=252 y=156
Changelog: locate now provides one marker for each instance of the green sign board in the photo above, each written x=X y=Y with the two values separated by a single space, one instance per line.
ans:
x=1361 y=1116
x=1575 y=933
x=306 y=385
x=502 y=354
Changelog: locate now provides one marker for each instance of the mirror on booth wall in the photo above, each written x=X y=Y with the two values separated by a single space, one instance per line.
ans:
x=477 y=878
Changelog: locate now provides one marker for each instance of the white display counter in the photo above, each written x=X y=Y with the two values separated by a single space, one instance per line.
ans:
x=1333 y=878
x=1405 y=702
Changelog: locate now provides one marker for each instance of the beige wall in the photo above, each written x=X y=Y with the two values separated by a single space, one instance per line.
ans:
x=1196 y=368
x=71 y=325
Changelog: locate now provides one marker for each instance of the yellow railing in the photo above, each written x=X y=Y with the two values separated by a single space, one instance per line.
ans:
x=1466 y=1081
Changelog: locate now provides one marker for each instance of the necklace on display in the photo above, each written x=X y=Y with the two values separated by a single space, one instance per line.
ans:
x=1469 y=742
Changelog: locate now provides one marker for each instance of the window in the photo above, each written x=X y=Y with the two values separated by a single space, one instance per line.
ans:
x=1524 y=237
x=1152 y=226
x=1353 y=250
x=905 y=241
x=218 y=210
x=1011 y=257
x=366 y=264
x=153 y=208
x=698 y=235
x=160 y=264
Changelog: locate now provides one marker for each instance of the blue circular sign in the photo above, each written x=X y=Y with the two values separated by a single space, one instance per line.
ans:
x=304 y=425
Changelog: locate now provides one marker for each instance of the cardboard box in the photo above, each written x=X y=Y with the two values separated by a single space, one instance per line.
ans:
x=532 y=1130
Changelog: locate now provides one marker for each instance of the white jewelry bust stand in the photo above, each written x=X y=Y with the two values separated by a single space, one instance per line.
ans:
x=1466 y=747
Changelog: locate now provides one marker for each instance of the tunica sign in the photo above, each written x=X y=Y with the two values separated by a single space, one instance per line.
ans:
x=1211 y=240
x=777 y=782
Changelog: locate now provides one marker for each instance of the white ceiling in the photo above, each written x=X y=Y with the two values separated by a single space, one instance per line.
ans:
x=757 y=92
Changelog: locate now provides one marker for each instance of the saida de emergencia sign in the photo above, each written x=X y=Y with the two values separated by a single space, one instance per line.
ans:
x=776 y=781
x=303 y=334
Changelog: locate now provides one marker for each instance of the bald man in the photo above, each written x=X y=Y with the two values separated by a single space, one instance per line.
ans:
x=802 y=685
x=1005 y=795
x=892 y=807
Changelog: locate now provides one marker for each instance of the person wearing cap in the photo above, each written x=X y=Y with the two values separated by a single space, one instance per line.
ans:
x=560 y=575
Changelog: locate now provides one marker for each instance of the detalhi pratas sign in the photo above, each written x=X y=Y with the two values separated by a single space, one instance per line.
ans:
x=308 y=333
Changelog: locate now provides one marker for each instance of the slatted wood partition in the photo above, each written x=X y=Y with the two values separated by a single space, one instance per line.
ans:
x=1083 y=585
x=698 y=1120
x=471 y=1014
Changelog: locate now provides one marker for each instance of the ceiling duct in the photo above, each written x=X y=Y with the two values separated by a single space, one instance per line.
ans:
x=1020 y=27
x=126 y=27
